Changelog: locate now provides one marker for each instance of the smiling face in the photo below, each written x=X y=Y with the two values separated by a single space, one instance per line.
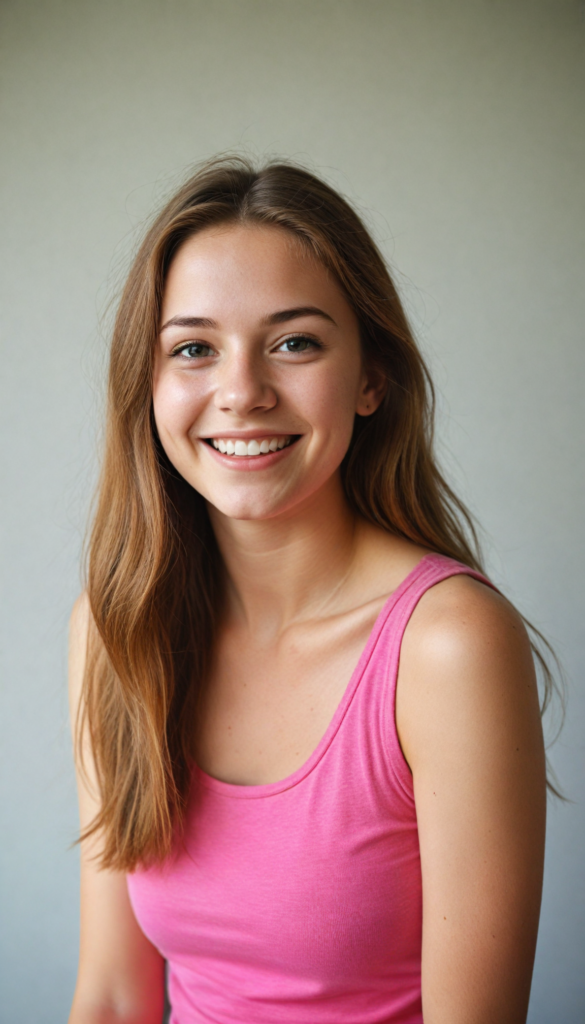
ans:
x=258 y=371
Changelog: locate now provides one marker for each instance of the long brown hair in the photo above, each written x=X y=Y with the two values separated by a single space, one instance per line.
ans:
x=155 y=576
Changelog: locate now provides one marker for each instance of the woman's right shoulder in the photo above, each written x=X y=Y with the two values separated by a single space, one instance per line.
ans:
x=80 y=613
x=78 y=634
x=79 y=626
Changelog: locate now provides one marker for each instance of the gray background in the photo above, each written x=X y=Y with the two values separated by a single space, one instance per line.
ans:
x=457 y=128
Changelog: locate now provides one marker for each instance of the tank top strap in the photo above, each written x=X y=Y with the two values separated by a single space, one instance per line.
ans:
x=386 y=641
x=430 y=570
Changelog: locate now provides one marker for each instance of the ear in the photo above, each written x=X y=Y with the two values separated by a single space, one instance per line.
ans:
x=372 y=390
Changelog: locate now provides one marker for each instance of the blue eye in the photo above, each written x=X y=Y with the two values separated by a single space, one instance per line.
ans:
x=194 y=350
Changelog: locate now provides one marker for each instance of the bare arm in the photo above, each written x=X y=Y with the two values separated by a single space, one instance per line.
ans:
x=469 y=723
x=121 y=974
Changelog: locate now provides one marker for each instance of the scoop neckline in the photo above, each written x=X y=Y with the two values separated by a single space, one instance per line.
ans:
x=266 y=789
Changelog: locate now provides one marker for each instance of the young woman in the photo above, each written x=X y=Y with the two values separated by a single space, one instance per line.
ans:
x=311 y=766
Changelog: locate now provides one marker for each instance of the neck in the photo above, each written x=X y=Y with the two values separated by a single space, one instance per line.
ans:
x=282 y=569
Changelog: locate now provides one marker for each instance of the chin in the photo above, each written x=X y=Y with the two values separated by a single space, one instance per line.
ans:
x=247 y=507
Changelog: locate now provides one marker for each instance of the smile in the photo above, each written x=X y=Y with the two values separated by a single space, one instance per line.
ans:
x=257 y=446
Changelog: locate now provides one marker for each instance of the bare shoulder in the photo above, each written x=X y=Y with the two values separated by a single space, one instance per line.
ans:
x=79 y=619
x=461 y=615
x=79 y=626
x=467 y=675
x=79 y=623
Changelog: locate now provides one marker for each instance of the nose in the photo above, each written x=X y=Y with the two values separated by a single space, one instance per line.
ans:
x=243 y=386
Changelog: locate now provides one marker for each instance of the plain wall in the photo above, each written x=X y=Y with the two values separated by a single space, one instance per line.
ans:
x=457 y=128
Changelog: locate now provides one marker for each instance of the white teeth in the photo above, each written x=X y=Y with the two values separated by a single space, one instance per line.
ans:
x=253 y=447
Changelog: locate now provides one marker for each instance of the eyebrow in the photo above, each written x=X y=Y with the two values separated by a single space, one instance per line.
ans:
x=284 y=315
x=189 y=321
x=281 y=317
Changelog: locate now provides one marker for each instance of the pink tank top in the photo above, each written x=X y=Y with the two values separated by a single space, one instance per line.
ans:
x=300 y=901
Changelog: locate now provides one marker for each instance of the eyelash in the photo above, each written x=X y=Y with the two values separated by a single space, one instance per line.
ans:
x=199 y=344
x=189 y=344
x=301 y=337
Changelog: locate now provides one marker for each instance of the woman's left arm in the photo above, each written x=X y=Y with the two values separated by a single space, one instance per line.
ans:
x=469 y=723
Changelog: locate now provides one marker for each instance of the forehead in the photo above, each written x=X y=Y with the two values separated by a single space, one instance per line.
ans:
x=248 y=268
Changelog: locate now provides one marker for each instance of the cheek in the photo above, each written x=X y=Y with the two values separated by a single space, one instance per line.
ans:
x=329 y=399
x=176 y=407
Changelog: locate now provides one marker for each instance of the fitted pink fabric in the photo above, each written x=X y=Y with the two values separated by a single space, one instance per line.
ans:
x=300 y=901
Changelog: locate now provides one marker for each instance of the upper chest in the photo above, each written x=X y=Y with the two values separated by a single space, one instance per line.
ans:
x=267 y=705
